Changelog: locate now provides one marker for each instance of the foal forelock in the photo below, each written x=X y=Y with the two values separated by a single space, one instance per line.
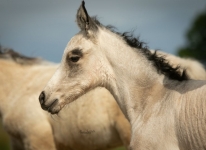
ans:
x=159 y=62
x=10 y=54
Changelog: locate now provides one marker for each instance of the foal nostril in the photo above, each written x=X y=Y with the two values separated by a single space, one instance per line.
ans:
x=42 y=97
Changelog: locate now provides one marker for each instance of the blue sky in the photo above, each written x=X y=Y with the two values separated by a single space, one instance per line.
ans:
x=42 y=28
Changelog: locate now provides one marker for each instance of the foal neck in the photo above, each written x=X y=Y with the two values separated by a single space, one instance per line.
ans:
x=135 y=76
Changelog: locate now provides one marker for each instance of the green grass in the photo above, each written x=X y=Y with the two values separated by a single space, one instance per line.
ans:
x=4 y=139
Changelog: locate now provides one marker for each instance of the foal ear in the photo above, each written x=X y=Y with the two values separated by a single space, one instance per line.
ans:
x=84 y=21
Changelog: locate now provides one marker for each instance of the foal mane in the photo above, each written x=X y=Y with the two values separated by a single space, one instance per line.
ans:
x=159 y=62
x=10 y=54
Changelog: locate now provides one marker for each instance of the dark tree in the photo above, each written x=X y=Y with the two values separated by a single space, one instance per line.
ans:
x=196 y=39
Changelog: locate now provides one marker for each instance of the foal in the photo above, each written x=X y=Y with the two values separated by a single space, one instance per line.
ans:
x=94 y=123
x=165 y=109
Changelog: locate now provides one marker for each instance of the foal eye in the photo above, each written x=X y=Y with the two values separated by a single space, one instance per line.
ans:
x=74 y=55
x=74 y=58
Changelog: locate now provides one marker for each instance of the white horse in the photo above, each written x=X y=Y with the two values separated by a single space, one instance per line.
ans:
x=93 y=122
x=165 y=109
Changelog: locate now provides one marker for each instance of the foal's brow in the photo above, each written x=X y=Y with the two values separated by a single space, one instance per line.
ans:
x=77 y=52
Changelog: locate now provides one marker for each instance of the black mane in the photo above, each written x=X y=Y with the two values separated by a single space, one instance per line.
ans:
x=10 y=54
x=159 y=62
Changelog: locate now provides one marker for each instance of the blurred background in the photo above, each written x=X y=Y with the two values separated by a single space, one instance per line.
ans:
x=42 y=28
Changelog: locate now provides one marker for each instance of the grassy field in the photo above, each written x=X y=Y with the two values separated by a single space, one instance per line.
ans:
x=4 y=140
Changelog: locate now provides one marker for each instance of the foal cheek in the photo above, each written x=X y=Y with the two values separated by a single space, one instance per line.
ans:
x=74 y=71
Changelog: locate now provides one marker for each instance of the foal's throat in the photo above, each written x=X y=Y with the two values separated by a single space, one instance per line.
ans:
x=135 y=97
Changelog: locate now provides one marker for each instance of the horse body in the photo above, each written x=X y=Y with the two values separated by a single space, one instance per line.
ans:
x=164 y=107
x=191 y=115
x=78 y=127
x=21 y=115
x=173 y=121
x=92 y=128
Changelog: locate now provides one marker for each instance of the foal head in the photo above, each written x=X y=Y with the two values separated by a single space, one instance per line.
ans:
x=83 y=67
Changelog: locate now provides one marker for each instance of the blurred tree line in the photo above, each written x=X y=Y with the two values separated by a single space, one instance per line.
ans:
x=196 y=39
